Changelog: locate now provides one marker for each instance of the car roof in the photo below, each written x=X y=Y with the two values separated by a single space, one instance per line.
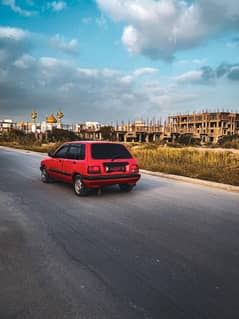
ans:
x=91 y=142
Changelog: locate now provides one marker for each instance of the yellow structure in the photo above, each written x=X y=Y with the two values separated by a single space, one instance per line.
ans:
x=51 y=119
x=59 y=116
x=33 y=125
x=34 y=116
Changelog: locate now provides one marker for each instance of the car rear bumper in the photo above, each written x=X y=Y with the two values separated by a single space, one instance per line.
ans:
x=99 y=181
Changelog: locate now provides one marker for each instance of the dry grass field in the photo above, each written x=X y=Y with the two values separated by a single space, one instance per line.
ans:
x=214 y=165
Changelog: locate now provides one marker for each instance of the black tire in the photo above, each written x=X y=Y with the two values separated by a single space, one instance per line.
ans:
x=126 y=188
x=45 y=178
x=79 y=187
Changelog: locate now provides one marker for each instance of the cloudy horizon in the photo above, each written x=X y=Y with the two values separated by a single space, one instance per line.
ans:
x=109 y=60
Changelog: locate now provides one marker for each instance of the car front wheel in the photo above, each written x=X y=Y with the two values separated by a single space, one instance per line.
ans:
x=126 y=187
x=79 y=187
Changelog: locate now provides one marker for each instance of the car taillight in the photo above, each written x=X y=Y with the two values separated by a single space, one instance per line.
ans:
x=134 y=168
x=94 y=169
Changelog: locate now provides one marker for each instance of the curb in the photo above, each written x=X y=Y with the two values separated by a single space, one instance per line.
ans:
x=225 y=187
x=22 y=150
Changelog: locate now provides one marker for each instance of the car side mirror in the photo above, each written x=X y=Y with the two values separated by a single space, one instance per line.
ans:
x=50 y=154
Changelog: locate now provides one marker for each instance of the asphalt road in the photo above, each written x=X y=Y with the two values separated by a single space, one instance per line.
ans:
x=167 y=250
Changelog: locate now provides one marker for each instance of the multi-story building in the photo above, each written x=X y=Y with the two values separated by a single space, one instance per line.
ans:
x=6 y=126
x=208 y=126
x=88 y=130
x=140 y=131
x=90 y=126
x=24 y=126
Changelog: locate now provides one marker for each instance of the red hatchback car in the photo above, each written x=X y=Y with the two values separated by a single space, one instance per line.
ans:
x=91 y=165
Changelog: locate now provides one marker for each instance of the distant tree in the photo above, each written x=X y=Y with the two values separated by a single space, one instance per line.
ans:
x=14 y=135
x=19 y=136
x=60 y=135
x=188 y=139
x=229 y=141
x=107 y=133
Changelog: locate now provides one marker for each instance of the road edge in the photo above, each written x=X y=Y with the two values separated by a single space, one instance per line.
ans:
x=179 y=178
x=196 y=181
x=20 y=150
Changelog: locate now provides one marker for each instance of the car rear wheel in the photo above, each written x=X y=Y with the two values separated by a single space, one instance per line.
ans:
x=45 y=178
x=79 y=187
x=126 y=187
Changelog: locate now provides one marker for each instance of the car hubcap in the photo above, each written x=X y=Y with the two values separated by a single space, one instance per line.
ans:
x=78 y=186
x=43 y=174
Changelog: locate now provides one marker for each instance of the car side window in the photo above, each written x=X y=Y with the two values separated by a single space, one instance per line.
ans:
x=61 y=153
x=76 y=152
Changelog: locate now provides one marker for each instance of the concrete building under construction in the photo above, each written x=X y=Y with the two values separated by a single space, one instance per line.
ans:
x=209 y=127
x=140 y=131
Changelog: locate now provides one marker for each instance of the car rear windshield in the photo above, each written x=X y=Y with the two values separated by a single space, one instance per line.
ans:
x=109 y=151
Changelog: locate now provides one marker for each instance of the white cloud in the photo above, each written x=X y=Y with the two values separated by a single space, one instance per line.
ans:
x=159 y=29
x=14 y=42
x=110 y=73
x=17 y=9
x=58 y=42
x=235 y=68
x=53 y=63
x=131 y=38
x=88 y=73
x=24 y=62
x=190 y=77
x=205 y=75
x=127 y=79
x=57 y=5
x=98 y=73
x=195 y=62
x=199 y=61
x=13 y=33
x=145 y=71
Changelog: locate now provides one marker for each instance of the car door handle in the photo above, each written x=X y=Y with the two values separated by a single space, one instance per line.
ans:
x=73 y=162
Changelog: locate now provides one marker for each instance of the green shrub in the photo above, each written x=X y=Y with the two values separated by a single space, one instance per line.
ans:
x=230 y=141
x=60 y=135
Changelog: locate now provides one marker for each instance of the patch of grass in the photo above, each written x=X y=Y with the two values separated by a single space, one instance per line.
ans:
x=218 y=166
x=43 y=148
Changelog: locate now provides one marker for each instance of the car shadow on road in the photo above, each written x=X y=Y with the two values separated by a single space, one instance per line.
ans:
x=140 y=188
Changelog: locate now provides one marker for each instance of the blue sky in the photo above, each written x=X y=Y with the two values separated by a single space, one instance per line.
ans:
x=108 y=60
